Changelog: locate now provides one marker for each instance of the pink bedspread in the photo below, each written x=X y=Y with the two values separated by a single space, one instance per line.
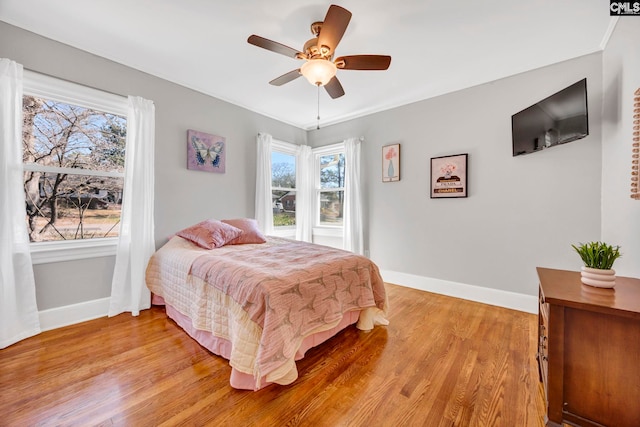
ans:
x=287 y=289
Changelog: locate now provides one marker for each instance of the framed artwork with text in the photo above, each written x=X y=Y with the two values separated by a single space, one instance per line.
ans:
x=449 y=176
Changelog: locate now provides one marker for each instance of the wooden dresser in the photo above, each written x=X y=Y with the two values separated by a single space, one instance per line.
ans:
x=589 y=350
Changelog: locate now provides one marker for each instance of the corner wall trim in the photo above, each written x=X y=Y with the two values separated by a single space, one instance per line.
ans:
x=497 y=297
x=607 y=35
x=70 y=314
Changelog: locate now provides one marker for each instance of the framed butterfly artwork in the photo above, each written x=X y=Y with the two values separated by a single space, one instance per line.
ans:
x=205 y=152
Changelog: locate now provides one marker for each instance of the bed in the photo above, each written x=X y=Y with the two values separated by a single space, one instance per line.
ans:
x=261 y=306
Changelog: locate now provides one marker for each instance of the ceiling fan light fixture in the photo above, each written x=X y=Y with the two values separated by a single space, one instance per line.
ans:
x=318 y=71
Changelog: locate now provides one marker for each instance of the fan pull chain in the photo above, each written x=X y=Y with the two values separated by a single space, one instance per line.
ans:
x=318 y=118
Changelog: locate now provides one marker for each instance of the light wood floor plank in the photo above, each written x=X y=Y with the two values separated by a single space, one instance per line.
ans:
x=441 y=362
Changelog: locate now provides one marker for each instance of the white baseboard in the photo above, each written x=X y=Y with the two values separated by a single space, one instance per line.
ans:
x=497 y=297
x=70 y=314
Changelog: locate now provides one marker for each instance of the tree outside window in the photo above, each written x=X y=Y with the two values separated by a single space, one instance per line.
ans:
x=74 y=167
x=283 y=189
x=330 y=191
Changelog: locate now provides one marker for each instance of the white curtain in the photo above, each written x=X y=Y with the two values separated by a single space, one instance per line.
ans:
x=352 y=210
x=304 y=193
x=264 y=201
x=136 y=243
x=18 y=309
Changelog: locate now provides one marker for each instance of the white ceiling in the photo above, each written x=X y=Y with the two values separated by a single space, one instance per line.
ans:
x=437 y=46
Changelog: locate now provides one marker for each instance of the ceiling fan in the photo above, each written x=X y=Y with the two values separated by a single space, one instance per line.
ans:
x=320 y=67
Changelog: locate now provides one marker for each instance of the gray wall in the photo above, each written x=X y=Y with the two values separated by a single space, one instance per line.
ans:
x=182 y=197
x=521 y=212
x=70 y=282
x=620 y=213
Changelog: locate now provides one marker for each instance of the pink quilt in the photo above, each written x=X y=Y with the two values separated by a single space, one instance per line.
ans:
x=277 y=294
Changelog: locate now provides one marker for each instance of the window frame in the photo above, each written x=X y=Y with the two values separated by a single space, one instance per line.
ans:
x=52 y=88
x=318 y=228
x=289 y=150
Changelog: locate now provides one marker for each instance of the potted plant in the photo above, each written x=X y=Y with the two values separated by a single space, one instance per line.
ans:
x=598 y=259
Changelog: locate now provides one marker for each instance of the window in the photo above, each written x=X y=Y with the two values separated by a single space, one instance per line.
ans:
x=329 y=186
x=283 y=185
x=307 y=189
x=73 y=157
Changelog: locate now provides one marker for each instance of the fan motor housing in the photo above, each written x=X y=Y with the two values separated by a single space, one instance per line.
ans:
x=313 y=51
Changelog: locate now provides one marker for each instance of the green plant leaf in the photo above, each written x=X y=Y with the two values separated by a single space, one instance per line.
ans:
x=597 y=254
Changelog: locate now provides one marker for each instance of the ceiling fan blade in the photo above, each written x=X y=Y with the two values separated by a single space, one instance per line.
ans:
x=363 y=62
x=274 y=46
x=333 y=27
x=334 y=88
x=286 y=78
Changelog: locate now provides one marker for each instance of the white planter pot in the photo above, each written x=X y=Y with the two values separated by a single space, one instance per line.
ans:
x=598 y=278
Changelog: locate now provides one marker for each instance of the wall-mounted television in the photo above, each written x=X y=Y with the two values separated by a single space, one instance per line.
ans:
x=557 y=119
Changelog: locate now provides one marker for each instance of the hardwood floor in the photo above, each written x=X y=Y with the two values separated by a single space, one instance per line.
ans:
x=441 y=362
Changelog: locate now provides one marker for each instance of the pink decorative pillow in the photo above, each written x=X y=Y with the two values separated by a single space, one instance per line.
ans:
x=250 y=231
x=210 y=234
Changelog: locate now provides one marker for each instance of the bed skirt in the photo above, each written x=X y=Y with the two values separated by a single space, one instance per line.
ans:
x=222 y=347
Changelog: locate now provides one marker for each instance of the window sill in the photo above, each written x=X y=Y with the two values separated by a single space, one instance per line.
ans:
x=328 y=231
x=46 y=252
x=288 y=232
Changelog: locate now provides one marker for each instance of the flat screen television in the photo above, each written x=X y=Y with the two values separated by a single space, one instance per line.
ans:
x=557 y=119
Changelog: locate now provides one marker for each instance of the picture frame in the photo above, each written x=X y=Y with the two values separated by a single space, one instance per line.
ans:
x=391 y=163
x=206 y=152
x=449 y=176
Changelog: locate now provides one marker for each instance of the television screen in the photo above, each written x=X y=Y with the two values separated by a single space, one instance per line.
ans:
x=557 y=119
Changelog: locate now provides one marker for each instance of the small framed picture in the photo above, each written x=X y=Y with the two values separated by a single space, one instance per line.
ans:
x=391 y=163
x=449 y=176
x=205 y=152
